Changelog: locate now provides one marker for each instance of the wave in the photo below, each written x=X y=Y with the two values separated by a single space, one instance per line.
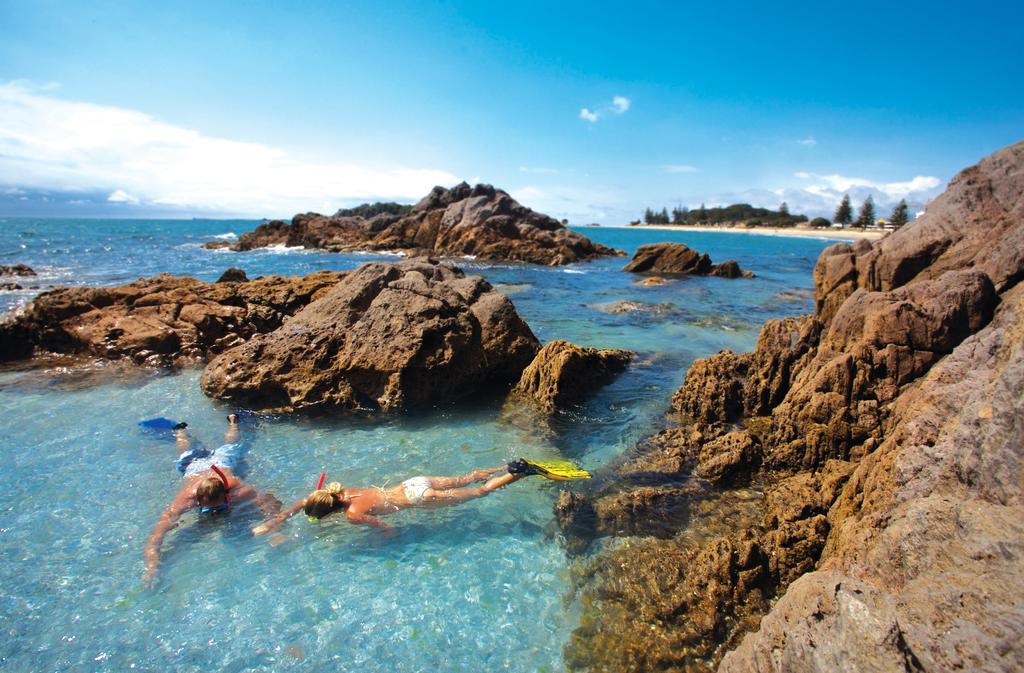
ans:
x=380 y=253
x=574 y=271
x=229 y=236
x=281 y=248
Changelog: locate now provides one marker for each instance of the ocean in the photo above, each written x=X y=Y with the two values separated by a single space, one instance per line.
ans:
x=484 y=586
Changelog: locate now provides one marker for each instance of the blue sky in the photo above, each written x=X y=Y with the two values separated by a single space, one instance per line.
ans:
x=580 y=110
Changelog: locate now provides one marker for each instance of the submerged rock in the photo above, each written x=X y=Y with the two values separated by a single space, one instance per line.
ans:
x=479 y=221
x=563 y=374
x=388 y=336
x=16 y=270
x=678 y=259
x=160 y=321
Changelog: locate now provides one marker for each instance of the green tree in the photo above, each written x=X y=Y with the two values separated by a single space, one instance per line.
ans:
x=899 y=215
x=679 y=214
x=784 y=209
x=648 y=216
x=844 y=213
x=866 y=216
x=820 y=223
x=702 y=214
x=663 y=216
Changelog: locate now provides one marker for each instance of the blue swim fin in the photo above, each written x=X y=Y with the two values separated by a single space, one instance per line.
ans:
x=160 y=427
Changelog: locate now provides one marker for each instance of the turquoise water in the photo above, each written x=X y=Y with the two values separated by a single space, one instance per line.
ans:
x=480 y=587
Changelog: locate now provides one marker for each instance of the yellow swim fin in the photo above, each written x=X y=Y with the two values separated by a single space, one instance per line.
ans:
x=559 y=470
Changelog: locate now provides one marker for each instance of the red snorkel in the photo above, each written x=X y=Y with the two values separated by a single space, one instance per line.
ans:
x=320 y=484
x=223 y=478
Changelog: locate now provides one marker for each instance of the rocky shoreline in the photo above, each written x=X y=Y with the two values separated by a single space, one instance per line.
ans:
x=885 y=432
x=479 y=221
x=848 y=494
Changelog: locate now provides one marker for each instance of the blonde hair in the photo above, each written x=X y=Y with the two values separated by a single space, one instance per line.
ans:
x=324 y=501
x=210 y=489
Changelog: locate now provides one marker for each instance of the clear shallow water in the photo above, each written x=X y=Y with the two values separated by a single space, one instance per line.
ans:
x=480 y=587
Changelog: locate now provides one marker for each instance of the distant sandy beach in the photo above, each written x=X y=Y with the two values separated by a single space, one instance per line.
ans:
x=837 y=234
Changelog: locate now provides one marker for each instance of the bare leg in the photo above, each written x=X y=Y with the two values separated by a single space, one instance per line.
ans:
x=232 y=434
x=444 y=497
x=181 y=440
x=442 y=483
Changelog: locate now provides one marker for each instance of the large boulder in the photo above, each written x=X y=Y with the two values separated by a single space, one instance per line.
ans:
x=388 y=336
x=160 y=321
x=478 y=221
x=563 y=374
x=677 y=259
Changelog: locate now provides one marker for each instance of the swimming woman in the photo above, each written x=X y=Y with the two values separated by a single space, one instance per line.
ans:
x=366 y=505
x=209 y=484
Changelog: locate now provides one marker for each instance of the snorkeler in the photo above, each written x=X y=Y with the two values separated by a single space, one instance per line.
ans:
x=366 y=505
x=209 y=485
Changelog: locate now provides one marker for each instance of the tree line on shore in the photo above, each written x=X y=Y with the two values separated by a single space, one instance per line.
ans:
x=762 y=217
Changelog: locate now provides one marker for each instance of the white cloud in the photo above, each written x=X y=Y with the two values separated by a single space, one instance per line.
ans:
x=121 y=196
x=892 y=190
x=680 y=168
x=808 y=142
x=824 y=193
x=52 y=144
x=618 y=106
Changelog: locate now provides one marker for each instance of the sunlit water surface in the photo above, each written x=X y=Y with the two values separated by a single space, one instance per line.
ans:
x=480 y=587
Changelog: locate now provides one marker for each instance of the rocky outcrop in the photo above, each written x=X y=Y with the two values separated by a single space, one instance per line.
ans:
x=479 y=221
x=388 y=336
x=563 y=374
x=160 y=321
x=885 y=431
x=677 y=259
x=20 y=270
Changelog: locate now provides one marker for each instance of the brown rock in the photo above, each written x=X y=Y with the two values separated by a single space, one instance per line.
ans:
x=161 y=321
x=678 y=259
x=729 y=460
x=784 y=347
x=892 y=467
x=16 y=270
x=388 y=336
x=975 y=224
x=651 y=281
x=730 y=268
x=877 y=344
x=480 y=221
x=920 y=570
x=563 y=374
x=233 y=275
x=713 y=389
